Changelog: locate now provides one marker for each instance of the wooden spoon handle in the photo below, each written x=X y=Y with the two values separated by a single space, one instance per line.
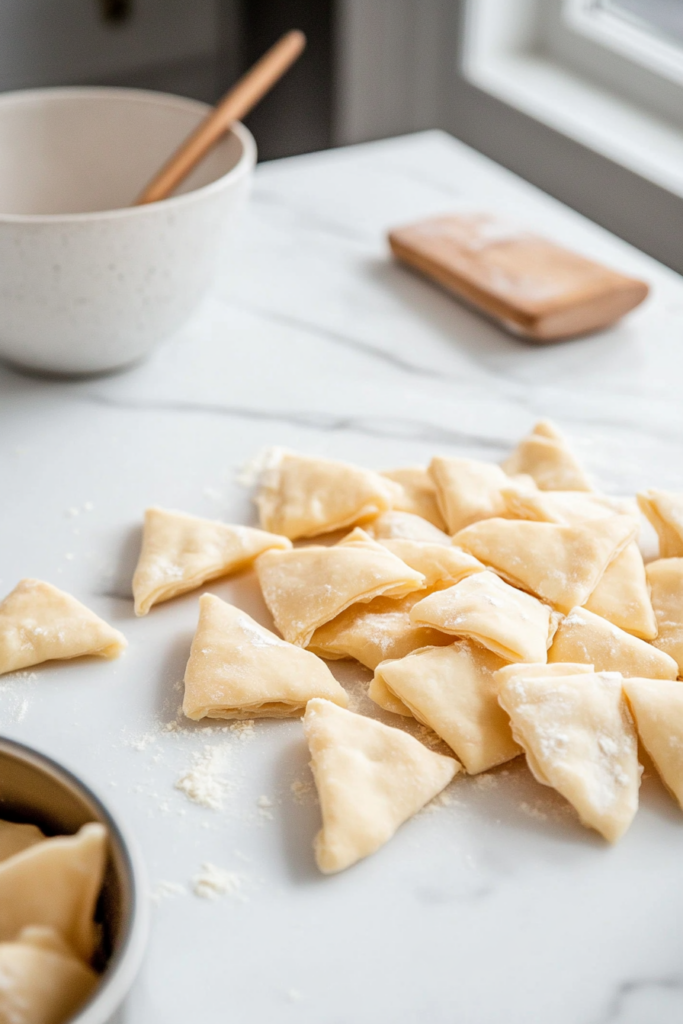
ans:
x=243 y=96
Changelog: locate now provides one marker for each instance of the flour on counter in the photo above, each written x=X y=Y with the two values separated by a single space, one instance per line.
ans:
x=301 y=790
x=244 y=730
x=203 y=782
x=264 y=804
x=167 y=890
x=212 y=882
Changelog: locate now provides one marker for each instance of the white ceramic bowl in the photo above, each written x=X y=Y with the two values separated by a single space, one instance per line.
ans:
x=87 y=282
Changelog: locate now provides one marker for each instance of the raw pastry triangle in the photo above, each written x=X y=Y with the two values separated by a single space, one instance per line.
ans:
x=545 y=456
x=623 y=595
x=370 y=779
x=579 y=738
x=665 y=577
x=438 y=564
x=180 y=552
x=657 y=707
x=405 y=526
x=665 y=511
x=307 y=587
x=303 y=496
x=40 y=623
x=564 y=507
x=418 y=493
x=379 y=692
x=40 y=985
x=453 y=691
x=524 y=670
x=512 y=624
x=239 y=669
x=584 y=636
x=561 y=564
x=468 y=490
x=56 y=883
x=15 y=837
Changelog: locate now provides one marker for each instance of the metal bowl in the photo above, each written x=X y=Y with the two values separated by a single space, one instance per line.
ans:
x=35 y=789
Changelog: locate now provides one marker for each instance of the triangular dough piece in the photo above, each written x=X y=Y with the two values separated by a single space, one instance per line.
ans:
x=40 y=623
x=418 y=493
x=405 y=526
x=512 y=624
x=379 y=692
x=665 y=577
x=15 y=837
x=579 y=738
x=453 y=691
x=308 y=587
x=56 y=883
x=657 y=707
x=239 y=669
x=303 y=496
x=532 y=670
x=664 y=509
x=545 y=456
x=180 y=552
x=560 y=564
x=584 y=636
x=39 y=985
x=564 y=507
x=373 y=632
x=623 y=596
x=468 y=490
x=437 y=563
x=370 y=779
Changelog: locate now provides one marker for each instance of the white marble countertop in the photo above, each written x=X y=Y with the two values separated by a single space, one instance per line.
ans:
x=497 y=907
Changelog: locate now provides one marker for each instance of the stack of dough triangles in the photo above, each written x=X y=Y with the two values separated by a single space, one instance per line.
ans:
x=180 y=552
x=405 y=526
x=239 y=669
x=665 y=577
x=579 y=738
x=308 y=587
x=370 y=779
x=418 y=493
x=657 y=707
x=468 y=490
x=41 y=981
x=438 y=564
x=40 y=623
x=584 y=636
x=544 y=455
x=665 y=512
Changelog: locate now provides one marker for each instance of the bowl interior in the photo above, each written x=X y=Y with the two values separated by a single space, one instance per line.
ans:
x=81 y=150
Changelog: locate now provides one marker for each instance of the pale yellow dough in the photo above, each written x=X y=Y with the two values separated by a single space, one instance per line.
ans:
x=468 y=490
x=657 y=707
x=41 y=981
x=15 y=837
x=370 y=779
x=584 y=636
x=437 y=563
x=56 y=883
x=665 y=577
x=512 y=624
x=533 y=670
x=545 y=456
x=180 y=552
x=307 y=587
x=623 y=595
x=564 y=507
x=453 y=690
x=303 y=496
x=664 y=509
x=239 y=669
x=40 y=623
x=418 y=493
x=405 y=526
x=560 y=564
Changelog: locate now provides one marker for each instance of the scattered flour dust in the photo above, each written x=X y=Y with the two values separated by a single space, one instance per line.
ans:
x=302 y=789
x=205 y=782
x=14 y=702
x=244 y=729
x=212 y=882
x=252 y=471
x=265 y=804
x=167 y=890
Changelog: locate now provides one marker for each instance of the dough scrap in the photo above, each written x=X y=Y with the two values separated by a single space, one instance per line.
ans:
x=405 y=526
x=373 y=632
x=468 y=490
x=664 y=509
x=545 y=456
x=665 y=577
x=584 y=636
x=370 y=779
x=239 y=669
x=180 y=552
x=512 y=624
x=560 y=564
x=453 y=691
x=437 y=563
x=564 y=507
x=15 y=837
x=623 y=595
x=56 y=883
x=657 y=707
x=307 y=587
x=303 y=496
x=533 y=670
x=41 y=985
x=419 y=493
x=40 y=623
x=579 y=739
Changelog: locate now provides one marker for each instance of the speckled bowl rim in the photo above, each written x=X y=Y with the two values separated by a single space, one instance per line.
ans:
x=243 y=166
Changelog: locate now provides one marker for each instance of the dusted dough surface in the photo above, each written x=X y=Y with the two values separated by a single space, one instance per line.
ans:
x=307 y=587
x=370 y=779
x=584 y=636
x=405 y=526
x=560 y=564
x=438 y=564
x=665 y=577
x=56 y=883
x=239 y=669
x=545 y=456
x=468 y=490
x=40 y=623
x=16 y=837
x=579 y=738
x=180 y=552
x=453 y=691
x=418 y=493
x=623 y=595
x=39 y=984
x=512 y=624
x=532 y=670
x=657 y=707
x=665 y=511
x=303 y=496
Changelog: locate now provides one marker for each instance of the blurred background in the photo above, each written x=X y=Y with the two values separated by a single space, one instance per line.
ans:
x=581 y=97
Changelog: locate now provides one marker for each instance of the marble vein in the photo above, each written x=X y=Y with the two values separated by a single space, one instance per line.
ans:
x=625 y=992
